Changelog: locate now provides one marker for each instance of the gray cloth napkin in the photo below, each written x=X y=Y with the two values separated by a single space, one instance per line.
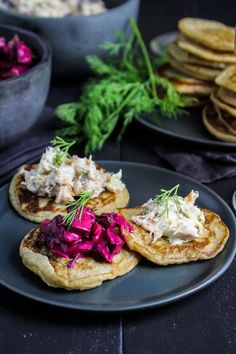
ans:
x=204 y=166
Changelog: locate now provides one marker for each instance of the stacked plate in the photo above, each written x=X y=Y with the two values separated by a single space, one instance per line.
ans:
x=201 y=50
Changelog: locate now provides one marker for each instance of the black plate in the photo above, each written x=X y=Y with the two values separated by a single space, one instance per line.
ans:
x=186 y=128
x=147 y=285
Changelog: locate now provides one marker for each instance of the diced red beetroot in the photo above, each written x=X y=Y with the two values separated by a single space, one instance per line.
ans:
x=84 y=221
x=112 y=237
x=80 y=247
x=17 y=70
x=3 y=42
x=24 y=54
x=15 y=58
x=102 y=235
x=59 y=252
x=71 y=236
x=96 y=231
x=44 y=225
x=103 y=250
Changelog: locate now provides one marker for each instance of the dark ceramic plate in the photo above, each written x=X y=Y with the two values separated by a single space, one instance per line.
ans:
x=147 y=285
x=187 y=128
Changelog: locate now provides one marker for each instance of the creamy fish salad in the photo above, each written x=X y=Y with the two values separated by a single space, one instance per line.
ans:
x=54 y=8
x=179 y=221
x=73 y=176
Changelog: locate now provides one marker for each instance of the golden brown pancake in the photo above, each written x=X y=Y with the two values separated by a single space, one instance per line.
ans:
x=86 y=274
x=215 y=126
x=187 y=85
x=212 y=34
x=227 y=78
x=219 y=103
x=37 y=209
x=227 y=96
x=181 y=55
x=163 y=253
x=204 y=53
x=196 y=71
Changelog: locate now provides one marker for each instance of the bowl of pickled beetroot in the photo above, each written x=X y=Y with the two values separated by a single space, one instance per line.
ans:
x=25 y=72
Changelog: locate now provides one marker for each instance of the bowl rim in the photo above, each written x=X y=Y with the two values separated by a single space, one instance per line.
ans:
x=46 y=51
x=58 y=18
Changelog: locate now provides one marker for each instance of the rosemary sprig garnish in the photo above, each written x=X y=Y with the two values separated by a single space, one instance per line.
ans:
x=76 y=206
x=122 y=88
x=165 y=196
x=63 y=149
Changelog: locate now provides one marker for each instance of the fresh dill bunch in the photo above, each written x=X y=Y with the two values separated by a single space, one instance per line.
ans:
x=76 y=206
x=63 y=147
x=165 y=196
x=123 y=88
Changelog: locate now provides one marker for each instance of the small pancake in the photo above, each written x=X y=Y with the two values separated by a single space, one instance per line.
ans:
x=186 y=85
x=193 y=89
x=215 y=126
x=219 y=103
x=212 y=34
x=227 y=96
x=197 y=71
x=173 y=74
x=227 y=78
x=86 y=274
x=163 y=253
x=181 y=55
x=37 y=209
x=205 y=53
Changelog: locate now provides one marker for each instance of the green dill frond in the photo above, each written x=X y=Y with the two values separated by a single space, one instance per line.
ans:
x=62 y=147
x=165 y=196
x=123 y=88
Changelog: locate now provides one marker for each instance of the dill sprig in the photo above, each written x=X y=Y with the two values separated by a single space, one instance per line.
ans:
x=122 y=89
x=165 y=196
x=63 y=149
x=76 y=206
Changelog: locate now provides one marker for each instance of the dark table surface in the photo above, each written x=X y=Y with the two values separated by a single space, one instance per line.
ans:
x=202 y=323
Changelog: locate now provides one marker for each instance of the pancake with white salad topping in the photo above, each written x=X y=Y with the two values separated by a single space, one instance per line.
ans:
x=169 y=229
x=43 y=190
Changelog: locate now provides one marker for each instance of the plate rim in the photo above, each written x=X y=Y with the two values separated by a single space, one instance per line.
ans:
x=182 y=138
x=150 y=304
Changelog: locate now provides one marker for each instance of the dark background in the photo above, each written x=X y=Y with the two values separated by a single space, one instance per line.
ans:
x=159 y=16
x=202 y=323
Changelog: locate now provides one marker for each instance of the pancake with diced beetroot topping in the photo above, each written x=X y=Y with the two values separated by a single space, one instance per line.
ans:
x=36 y=208
x=162 y=252
x=87 y=273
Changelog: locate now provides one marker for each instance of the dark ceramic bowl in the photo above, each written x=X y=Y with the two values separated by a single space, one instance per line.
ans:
x=22 y=98
x=74 y=37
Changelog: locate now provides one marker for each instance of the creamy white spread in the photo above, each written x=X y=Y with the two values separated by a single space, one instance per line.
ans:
x=73 y=176
x=55 y=8
x=180 y=221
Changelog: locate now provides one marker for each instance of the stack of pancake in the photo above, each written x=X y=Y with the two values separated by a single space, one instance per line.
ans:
x=220 y=117
x=202 y=49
